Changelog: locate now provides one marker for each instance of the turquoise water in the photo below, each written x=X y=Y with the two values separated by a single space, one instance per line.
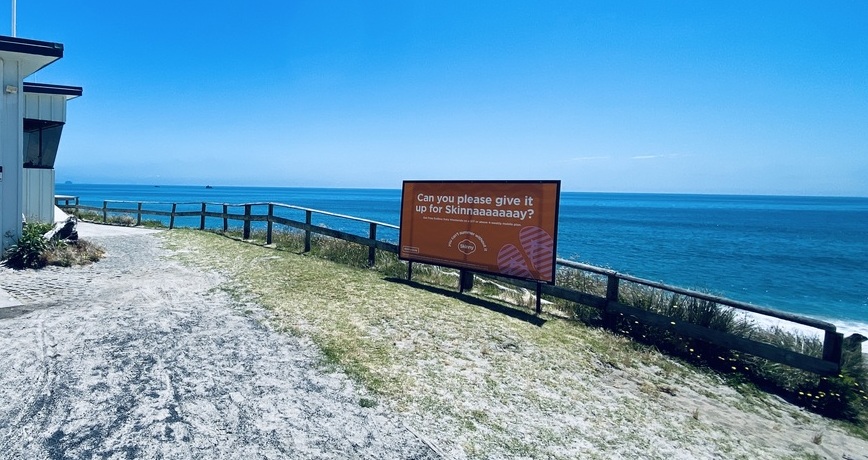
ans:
x=806 y=255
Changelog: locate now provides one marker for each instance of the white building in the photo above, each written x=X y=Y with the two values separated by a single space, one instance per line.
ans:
x=45 y=108
x=44 y=117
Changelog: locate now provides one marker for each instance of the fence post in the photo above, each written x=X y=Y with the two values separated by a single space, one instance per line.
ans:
x=225 y=219
x=611 y=296
x=139 y=214
x=270 y=224
x=104 y=212
x=307 y=220
x=172 y=216
x=202 y=219
x=372 y=250
x=833 y=344
x=246 y=235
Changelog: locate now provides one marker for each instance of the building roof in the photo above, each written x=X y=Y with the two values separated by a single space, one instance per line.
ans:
x=33 y=54
x=60 y=90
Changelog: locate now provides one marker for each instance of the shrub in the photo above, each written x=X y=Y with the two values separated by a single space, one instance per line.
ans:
x=34 y=251
x=123 y=219
x=27 y=251
x=580 y=281
x=90 y=216
x=153 y=223
x=126 y=220
x=333 y=249
x=840 y=396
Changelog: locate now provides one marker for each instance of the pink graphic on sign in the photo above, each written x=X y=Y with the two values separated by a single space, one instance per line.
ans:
x=510 y=262
x=539 y=247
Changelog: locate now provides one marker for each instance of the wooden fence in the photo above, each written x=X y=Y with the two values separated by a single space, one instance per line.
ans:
x=609 y=304
x=247 y=217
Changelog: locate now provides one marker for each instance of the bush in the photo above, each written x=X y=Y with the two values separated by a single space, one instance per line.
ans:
x=34 y=251
x=839 y=396
x=125 y=220
x=87 y=216
x=326 y=247
x=153 y=223
x=27 y=251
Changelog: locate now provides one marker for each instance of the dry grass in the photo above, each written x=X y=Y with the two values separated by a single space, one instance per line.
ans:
x=482 y=379
x=71 y=253
x=125 y=220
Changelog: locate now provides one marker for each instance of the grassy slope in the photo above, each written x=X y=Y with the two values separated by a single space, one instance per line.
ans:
x=479 y=383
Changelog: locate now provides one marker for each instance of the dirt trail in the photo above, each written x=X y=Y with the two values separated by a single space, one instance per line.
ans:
x=139 y=357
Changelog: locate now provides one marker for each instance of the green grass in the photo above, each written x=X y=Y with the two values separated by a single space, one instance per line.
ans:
x=836 y=396
x=468 y=365
x=88 y=216
x=332 y=249
x=114 y=219
x=400 y=341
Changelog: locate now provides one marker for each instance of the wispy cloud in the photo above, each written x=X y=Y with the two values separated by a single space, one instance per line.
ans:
x=651 y=157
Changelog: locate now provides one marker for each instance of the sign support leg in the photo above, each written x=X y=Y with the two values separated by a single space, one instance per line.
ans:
x=538 y=298
x=465 y=281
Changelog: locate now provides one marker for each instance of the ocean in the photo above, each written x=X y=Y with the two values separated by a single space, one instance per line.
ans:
x=805 y=255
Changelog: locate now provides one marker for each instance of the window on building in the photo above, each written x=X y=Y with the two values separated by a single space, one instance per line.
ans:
x=41 y=139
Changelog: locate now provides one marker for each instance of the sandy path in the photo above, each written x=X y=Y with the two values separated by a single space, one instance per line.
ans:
x=139 y=357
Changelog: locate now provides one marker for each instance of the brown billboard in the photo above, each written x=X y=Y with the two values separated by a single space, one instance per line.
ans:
x=506 y=228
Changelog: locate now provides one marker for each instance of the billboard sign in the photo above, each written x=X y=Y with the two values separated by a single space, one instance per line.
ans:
x=506 y=228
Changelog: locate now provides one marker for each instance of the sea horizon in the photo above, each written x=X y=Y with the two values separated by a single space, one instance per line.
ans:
x=398 y=188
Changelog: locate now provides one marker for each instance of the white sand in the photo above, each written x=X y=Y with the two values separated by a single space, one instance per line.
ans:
x=139 y=357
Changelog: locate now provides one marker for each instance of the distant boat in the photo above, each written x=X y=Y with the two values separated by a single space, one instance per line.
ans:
x=208 y=186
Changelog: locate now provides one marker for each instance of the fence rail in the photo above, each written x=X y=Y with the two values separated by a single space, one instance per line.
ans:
x=610 y=305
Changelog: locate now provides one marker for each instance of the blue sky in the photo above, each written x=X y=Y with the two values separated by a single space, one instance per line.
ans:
x=674 y=97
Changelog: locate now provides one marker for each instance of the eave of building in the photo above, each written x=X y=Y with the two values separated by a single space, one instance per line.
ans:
x=69 y=92
x=32 y=54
